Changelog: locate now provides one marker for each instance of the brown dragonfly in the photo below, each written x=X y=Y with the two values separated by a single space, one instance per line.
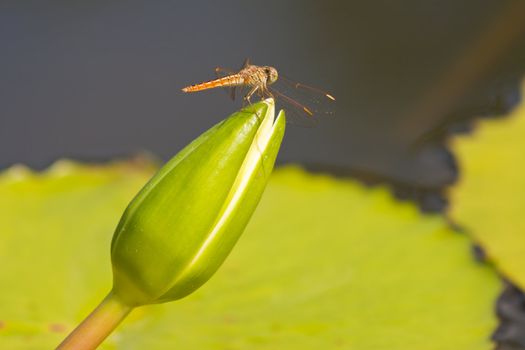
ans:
x=306 y=100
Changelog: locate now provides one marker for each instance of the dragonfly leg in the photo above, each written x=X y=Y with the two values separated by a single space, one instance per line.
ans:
x=249 y=94
x=265 y=93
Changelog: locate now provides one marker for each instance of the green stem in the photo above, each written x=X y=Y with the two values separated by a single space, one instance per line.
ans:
x=97 y=326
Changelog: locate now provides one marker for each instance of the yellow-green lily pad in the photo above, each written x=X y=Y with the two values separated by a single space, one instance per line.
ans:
x=324 y=264
x=489 y=200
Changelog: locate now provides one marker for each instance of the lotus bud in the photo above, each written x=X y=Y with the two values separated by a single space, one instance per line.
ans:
x=182 y=225
x=179 y=229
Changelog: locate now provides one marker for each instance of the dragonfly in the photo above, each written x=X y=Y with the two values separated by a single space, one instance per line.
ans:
x=258 y=80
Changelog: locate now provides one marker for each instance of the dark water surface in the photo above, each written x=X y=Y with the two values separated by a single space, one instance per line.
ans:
x=98 y=79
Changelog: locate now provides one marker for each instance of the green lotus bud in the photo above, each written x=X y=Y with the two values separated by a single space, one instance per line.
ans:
x=182 y=225
x=185 y=221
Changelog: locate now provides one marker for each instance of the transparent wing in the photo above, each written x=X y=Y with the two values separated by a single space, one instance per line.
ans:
x=304 y=104
x=296 y=113
x=234 y=90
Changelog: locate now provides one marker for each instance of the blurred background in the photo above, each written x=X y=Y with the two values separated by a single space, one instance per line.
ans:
x=95 y=80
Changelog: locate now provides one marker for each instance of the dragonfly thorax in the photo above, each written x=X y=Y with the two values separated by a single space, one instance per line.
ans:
x=258 y=76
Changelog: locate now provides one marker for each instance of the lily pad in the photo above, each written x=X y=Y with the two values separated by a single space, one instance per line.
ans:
x=489 y=200
x=324 y=264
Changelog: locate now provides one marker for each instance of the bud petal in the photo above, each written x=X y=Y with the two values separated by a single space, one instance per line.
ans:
x=182 y=225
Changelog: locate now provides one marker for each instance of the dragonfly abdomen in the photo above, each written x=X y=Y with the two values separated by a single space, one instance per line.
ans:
x=231 y=80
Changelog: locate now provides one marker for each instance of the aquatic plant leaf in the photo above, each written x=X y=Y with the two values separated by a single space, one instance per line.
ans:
x=489 y=200
x=324 y=264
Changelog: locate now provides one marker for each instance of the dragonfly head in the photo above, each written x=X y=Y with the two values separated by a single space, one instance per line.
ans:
x=271 y=74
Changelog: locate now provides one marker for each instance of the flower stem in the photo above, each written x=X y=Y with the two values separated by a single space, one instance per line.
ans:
x=97 y=326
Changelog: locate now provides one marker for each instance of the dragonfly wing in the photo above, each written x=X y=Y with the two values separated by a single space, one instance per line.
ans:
x=307 y=88
x=296 y=113
x=306 y=104
x=318 y=100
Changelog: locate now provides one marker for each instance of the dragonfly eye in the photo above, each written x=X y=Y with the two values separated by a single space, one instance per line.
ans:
x=271 y=74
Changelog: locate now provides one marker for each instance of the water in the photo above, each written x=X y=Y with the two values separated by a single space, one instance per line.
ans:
x=96 y=80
